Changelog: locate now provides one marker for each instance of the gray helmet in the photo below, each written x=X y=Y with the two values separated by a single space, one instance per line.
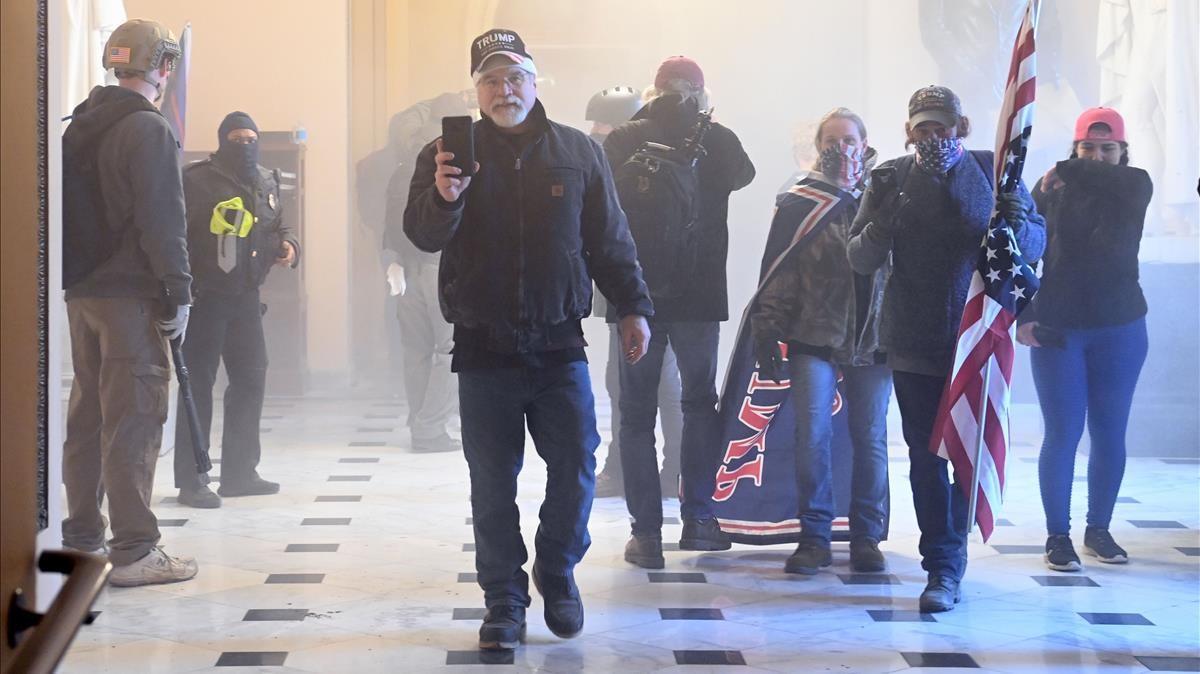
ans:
x=614 y=106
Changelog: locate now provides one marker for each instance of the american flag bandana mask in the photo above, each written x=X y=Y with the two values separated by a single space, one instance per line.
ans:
x=843 y=164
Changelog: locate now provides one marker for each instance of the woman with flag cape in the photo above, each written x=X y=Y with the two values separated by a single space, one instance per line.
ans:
x=807 y=392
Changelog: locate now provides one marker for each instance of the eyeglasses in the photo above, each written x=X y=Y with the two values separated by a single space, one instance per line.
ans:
x=515 y=79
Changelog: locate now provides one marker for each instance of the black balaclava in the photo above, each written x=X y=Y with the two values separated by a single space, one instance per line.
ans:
x=238 y=158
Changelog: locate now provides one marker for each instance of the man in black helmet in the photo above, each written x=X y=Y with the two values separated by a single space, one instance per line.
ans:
x=236 y=233
x=128 y=290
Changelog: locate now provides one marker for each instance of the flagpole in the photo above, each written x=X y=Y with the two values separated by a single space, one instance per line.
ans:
x=979 y=445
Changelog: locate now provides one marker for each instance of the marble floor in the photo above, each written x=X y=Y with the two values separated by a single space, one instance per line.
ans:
x=363 y=563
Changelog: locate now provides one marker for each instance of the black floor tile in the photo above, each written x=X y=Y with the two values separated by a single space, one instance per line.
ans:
x=940 y=660
x=359 y=459
x=467 y=577
x=1004 y=523
x=1127 y=499
x=349 y=478
x=368 y=443
x=480 y=657
x=1065 y=581
x=1157 y=524
x=295 y=578
x=324 y=521
x=275 y=614
x=339 y=498
x=1181 y=461
x=172 y=523
x=169 y=499
x=670 y=547
x=383 y=416
x=1020 y=549
x=691 y=614
x=312 y=547
x=1190 y=552
x=868 y=579
x=1169 y=663
x=1116 y=619
x=373 y=429
x=671 y=577
x=890 y=616
x=468 y=547
x=670 y=520
x=252 y=659
x=91 y=617
x=709 y=658
x=469 y=613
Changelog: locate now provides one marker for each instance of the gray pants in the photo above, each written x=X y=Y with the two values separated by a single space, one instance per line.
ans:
x=114 y=424
x=427 y=339
x=670 y=411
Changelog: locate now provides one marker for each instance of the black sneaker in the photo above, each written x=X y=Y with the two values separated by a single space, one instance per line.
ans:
x=705 y=535
x=1100 y=544
x=1060 y=554
x=199 y=497
x=255 y=486
x=564 y=607
x=865 y=556
x=810 y=556
x=503 y=628
x=645 y=551
x=941 y=594
x=608 y=485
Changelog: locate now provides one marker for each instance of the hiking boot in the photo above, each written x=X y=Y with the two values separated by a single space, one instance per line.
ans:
x=199 y=497
x=1060 y=554
x=865 y=556
x=255 y=486
x=155 y=568
x=645 y=550
x=564 y=607
x=809 y=557
x=503 y=628
x=941 y=594
x=1100 y=544
x=705 y=535
x=609 y=484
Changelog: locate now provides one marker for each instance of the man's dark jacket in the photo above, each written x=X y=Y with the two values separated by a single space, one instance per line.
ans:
x=521 y=245
x=206 y=183
x=725 y=168
x=137 y=163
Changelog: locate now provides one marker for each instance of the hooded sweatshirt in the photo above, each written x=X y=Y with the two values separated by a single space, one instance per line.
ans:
x=138 y=166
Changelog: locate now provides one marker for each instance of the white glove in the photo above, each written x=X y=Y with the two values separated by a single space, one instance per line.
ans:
x=395 y=278
x=175 y=326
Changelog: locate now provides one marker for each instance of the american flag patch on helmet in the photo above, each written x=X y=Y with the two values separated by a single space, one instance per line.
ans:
x=118 y=55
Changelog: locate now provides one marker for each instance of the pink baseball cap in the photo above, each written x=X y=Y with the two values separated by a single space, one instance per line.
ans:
x=1107 y=116
x=679 y=68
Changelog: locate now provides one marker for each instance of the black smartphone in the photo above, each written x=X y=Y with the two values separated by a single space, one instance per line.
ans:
x=458 y=136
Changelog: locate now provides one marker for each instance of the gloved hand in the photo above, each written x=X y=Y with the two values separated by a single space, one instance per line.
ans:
x=174 y=325
x=769 y=354
x=1012 y=208
x=395 y=279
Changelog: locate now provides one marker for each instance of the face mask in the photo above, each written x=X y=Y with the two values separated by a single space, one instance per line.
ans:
x=241 y=159
x=845 y=165
x=939 y=155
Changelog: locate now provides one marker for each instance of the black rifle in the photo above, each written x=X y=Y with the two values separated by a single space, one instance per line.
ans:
x=199 y=442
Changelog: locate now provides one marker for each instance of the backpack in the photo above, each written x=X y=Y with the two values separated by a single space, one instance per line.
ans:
x=659 y=190
x=87 y=239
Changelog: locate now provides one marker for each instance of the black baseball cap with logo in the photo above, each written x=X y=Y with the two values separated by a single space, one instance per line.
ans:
x=503 y=42
x=934 y=104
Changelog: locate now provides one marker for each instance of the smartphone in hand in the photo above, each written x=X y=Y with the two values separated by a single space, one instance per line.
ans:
x=458 y=136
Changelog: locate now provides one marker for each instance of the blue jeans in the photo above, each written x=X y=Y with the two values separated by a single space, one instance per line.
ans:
x=1092 y=379
x=814 y=385
x=941 y=506
x=557 y=404
x=695 y=347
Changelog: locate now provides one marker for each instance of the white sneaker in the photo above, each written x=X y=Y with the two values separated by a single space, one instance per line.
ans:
x=155 y=568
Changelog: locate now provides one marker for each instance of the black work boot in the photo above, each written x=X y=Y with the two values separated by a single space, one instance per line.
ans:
x=645 y=550
x=703 y=535
x=810 y=556
x=564 y=607
x=865 y=556
x=503 y=628
x=941 y=594
x=199 y=496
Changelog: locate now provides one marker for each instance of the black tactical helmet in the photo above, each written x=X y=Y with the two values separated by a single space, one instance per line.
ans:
x=614 y=106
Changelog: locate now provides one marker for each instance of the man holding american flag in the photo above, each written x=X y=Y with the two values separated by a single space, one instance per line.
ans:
x=930 y=211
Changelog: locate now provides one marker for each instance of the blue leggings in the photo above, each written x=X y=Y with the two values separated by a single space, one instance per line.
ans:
x=1092 y=379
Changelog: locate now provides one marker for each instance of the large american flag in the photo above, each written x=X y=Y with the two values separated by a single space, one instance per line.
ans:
x=174 y=104
x=1001 y=287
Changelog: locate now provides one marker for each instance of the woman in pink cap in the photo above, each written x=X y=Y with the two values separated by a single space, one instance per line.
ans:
x=1087 y=328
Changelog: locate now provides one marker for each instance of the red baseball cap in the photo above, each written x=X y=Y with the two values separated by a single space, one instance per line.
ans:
x=1107 y=116
x=679 y=68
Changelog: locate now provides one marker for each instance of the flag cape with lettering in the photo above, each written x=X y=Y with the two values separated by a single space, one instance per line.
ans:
x=756 y=498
